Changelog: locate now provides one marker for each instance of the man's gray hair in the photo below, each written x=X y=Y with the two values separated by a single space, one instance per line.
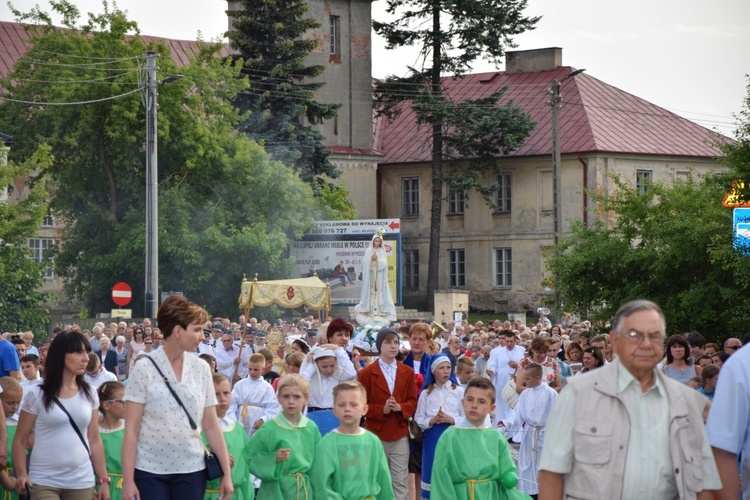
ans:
x=633 y=307
x=96 y=329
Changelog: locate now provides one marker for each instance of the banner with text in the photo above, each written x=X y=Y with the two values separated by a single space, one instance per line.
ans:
x=334 y=249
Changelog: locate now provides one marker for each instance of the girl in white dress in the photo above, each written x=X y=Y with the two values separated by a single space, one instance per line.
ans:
x=438 y=408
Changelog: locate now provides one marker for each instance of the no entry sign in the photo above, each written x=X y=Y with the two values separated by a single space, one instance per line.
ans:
x=122 y=294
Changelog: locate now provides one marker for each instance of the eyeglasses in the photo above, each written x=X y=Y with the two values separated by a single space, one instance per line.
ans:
x=116 y=401
x=149 y=343
x=636 y=337
x=733 y=347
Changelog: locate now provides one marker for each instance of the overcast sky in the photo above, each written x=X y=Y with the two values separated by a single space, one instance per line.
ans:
x=689 y=56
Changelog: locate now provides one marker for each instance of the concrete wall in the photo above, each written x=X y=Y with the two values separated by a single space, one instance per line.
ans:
x=527 y=230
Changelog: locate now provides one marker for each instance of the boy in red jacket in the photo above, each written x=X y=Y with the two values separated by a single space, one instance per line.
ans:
x=391 y=399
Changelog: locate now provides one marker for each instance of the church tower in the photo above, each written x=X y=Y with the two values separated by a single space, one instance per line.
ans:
x=344 y=49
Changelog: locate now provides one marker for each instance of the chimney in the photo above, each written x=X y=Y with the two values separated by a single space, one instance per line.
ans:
x=533 y=61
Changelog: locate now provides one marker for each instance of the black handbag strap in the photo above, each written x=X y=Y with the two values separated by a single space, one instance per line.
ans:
x=73 y=424
x=190 y=419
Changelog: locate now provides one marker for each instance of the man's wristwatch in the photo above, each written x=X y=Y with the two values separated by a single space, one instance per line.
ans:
x=103 y=480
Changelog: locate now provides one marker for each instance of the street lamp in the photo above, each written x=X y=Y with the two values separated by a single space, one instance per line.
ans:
x=152 y=203
x=556 y=103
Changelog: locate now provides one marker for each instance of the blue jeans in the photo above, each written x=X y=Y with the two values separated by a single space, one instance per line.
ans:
x=189 y=486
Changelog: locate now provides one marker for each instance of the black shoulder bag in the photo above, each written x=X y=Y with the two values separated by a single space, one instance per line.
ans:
x=213 y=467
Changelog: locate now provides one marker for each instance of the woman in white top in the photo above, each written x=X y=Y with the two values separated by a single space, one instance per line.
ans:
x=52 y=475
x=135 y=346
x=162 y=457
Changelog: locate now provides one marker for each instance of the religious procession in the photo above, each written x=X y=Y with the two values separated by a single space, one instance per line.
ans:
x=192 y=408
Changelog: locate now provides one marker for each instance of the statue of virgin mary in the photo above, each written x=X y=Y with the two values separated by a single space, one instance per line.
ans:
x=376 y=301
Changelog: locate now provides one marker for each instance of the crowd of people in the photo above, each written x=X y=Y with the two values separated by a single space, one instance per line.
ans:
x=615 y=412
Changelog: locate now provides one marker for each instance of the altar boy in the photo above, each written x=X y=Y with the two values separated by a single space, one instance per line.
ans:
x=531 y=413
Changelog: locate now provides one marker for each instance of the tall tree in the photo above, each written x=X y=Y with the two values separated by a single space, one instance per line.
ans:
x=471 y=134
x=22 y=305
x=269 y=36
x=225 y=206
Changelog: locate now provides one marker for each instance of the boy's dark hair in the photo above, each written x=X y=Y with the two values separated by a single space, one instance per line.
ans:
x=507 y=333
x=701 y=357
x=695 y=339
x=708 y=372
x=30 y=358
x=266 y=353
x=207 y=358
x=482 y=383
x=721 y=355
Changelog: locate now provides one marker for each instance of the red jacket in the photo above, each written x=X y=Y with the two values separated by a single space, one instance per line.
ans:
x=392 y=426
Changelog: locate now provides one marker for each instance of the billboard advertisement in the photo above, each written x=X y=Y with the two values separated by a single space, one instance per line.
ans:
x=334 y=250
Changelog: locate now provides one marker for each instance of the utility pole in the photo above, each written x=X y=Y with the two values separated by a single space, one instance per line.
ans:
x=556 y=103
x=152 y=202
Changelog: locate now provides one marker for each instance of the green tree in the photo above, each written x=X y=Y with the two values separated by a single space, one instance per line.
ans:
x=470 y=135
x=22 y=306
x=672 y=245
x=269 y=36
x=225 y=206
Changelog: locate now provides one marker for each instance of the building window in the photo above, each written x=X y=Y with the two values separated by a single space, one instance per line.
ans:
x=457 y=268
x=410 y=196
x=455 y=201
x=411 y=269
x=335 y=24
x=503 y=267
x=41 y=251
x=49 y=220
x=643 y=179
x=503 y=196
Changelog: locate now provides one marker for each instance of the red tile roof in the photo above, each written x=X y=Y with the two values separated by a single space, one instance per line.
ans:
x=13 y=39
x=595 y=117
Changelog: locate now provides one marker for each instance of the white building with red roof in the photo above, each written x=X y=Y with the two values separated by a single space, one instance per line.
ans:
x=499 y=254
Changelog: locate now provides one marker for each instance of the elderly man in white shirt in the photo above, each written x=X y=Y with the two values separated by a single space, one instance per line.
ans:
x=637 y=432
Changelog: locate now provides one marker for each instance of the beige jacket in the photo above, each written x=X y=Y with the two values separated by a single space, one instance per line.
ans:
x=601 y=436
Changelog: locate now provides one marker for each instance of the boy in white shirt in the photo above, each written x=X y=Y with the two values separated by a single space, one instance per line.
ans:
x=531 y=414
x=95 y=374
x=30 y=371
x=253 y=399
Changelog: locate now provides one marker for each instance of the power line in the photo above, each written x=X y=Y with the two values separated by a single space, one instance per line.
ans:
x=71 y=103
x=94 y=66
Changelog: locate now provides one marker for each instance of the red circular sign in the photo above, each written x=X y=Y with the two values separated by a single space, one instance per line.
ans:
x=122 y=294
